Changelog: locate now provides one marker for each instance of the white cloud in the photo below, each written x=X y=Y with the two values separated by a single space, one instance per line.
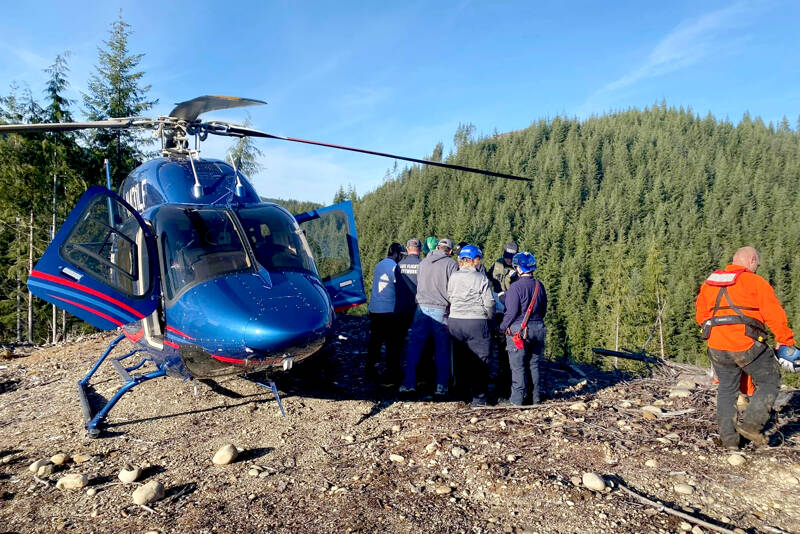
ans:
x=687 y=44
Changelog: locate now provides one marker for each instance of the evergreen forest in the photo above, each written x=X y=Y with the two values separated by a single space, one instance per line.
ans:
x=627 y=212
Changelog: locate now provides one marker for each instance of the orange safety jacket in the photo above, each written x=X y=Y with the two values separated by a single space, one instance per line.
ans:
x=744 y=293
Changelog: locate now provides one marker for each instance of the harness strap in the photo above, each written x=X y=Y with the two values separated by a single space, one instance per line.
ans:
x=753 y=328
x=524 y=325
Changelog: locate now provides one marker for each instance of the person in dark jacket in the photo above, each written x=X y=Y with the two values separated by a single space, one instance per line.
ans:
x=502 y=273
x=405 y=300
x=431 y=317
x=524 y=362
x=472 y=306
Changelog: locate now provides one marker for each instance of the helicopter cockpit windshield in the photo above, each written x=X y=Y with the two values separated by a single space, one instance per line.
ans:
x=198 y=244
x=276 y=239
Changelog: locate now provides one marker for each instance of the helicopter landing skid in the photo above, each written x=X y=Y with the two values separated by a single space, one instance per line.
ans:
x=271 y=385
x=94 y=420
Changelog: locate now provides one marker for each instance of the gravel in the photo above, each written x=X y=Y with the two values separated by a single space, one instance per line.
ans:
x=517 y=473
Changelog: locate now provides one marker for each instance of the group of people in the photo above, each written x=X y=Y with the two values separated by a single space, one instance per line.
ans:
x=471 y=314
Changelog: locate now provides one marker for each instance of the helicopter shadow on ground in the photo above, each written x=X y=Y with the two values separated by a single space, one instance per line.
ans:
x=256 y=398
x=339 y=373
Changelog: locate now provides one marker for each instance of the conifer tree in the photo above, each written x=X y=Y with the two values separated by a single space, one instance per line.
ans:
x=116 y=90
x=244 y=153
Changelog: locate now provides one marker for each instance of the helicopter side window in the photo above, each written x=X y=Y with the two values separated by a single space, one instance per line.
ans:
x=276 y=239
x=198 y=245
x=103 y=243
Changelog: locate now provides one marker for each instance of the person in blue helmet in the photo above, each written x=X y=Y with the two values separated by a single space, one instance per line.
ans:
x=472 y=306
x=523 y=325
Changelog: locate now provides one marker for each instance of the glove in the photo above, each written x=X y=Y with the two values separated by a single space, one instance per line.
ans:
x=789 y=358
x=785 y=352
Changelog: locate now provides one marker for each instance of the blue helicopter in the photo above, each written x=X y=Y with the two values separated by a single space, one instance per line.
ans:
x=194 y=268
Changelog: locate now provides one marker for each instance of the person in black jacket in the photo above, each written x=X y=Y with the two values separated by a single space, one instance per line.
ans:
x=524 y=361
x=405 y=302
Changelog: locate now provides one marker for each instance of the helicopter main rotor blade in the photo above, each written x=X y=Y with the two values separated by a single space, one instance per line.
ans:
x=191 y=109
x=249 y=132
x=112 y=124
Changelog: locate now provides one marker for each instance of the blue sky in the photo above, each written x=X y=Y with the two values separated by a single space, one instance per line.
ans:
x=401 y=76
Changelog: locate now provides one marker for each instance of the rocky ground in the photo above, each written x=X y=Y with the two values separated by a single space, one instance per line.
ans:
x=349 y=458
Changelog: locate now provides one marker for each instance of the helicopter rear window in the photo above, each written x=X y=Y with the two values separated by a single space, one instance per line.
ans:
x=276 y=239
x=198 y=245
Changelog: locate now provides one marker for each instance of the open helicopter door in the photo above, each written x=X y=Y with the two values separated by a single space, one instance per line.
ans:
x=101 y=266
x=331 y=234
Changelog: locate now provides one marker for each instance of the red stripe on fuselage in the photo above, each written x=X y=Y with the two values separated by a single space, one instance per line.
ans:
x=169 y=328
x=87 y=308
x=134 y=337
x=343 y=308
x=226 y=359
x=68 y=283
x=171 y=344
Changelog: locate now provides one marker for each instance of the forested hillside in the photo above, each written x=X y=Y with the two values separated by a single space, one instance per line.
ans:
x=43 y=175
x=626 y=212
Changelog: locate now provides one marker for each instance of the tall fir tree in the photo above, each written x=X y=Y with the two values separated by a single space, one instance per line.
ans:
x=116 y=90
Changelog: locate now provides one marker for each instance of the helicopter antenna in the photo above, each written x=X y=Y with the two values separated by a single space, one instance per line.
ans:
x=197 y=189
x=239 y=185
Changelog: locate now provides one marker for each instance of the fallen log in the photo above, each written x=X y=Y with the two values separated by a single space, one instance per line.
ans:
x=663 y=508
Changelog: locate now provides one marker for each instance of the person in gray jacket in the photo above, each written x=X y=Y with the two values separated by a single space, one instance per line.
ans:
x=472 y=306
x=431 y=317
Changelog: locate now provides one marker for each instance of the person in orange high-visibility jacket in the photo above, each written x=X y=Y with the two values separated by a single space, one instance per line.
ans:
x=735 y=307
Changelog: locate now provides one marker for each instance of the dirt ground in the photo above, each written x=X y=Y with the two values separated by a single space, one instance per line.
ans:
x=350 y=458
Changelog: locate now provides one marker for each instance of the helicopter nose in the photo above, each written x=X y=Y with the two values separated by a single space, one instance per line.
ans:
x=242 y=313
x=293 y=317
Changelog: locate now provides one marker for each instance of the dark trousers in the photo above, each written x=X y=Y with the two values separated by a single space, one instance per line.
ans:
x=499 y=372
x=524 y=364
x=383 y=330
x=758 y=362
x=404 y=321
x=471 y=348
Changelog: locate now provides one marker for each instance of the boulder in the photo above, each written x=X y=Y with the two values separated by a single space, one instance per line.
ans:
x=150 y=492
x=225 y=455
x=593 y=481
x=60 y=458
x=129 y=474
x=72 y=481
x=34 y=467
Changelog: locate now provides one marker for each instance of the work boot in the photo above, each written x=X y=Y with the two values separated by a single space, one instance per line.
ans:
x=478 y=403
x=730 y=443
x=406 y=392
x=755 y=436
x=441 y=390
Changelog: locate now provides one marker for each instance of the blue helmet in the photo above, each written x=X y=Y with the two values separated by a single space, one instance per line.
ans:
x=470 y=252
x=525 y=261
